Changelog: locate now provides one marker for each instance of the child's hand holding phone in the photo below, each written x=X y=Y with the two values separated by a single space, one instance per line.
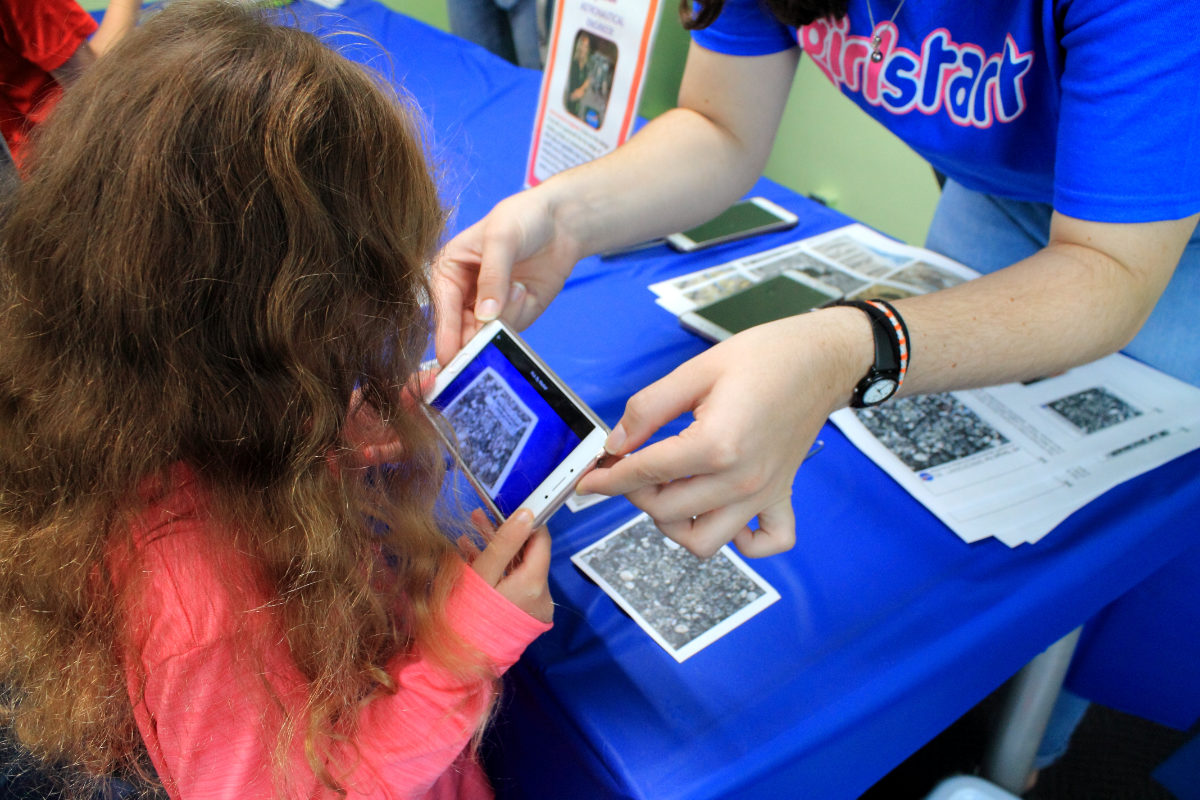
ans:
x=516 y=561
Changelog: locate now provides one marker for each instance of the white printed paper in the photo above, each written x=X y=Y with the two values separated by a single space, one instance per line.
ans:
x=1013 y=461
x=685 y=603
x=854 y=261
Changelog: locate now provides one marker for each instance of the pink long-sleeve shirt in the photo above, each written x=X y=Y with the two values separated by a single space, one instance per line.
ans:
x=211 y=725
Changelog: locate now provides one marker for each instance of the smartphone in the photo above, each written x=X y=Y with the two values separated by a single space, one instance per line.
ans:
x=783 y=295
x=747 y=218
x=518 y=434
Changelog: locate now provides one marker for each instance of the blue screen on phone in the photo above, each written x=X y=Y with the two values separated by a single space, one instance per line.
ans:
x=513 y=426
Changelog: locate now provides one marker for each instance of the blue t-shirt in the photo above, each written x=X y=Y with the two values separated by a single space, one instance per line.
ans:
x=1092 y=106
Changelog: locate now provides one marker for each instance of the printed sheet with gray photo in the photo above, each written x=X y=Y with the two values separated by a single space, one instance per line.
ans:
x=685 y=603
x=930 y=430
x=1012 y=461
x=853 y=260
x=491 y=424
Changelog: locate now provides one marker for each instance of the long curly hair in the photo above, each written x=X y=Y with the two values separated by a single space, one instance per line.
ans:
x=222 y=235
x=697 y=14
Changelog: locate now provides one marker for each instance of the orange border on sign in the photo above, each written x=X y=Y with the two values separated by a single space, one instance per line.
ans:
x=541 y=112
x=647 y=27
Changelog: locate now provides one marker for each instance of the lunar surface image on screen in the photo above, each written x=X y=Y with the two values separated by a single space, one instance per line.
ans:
x=491 y=424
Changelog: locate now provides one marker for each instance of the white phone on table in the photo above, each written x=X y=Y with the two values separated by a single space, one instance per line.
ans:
x=747 y=218
x=519 y=434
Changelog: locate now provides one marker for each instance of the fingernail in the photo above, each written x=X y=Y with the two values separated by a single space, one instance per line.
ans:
x=612 y=445
x=523 y=515
x=487 y=310
x=516 y=292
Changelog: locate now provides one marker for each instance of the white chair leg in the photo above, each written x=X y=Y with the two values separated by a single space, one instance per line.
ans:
x=1031 y=697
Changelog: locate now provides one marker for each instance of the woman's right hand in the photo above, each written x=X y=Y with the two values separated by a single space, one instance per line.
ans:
x=516 y=562
x=510 y=264
x=757 y=401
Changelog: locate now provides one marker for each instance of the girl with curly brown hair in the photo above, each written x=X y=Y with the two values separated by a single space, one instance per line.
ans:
x=213 y=288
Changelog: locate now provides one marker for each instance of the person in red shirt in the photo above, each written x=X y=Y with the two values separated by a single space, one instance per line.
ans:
x=44 y=45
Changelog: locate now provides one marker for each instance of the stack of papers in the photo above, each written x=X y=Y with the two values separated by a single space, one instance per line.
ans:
x=853 y=260
x=1013 y=461
x=1010 y=461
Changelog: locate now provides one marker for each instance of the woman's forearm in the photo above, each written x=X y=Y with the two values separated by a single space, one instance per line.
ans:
x=1082 y=297
x=685 y=166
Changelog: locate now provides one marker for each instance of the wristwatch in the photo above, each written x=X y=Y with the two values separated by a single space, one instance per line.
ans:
x=886 y=375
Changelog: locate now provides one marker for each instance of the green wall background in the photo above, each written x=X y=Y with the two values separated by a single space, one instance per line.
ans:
x=826 y=147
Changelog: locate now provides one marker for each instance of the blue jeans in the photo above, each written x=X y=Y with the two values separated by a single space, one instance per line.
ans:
x=1065 y=717
x=987 y=232
x=508 y=28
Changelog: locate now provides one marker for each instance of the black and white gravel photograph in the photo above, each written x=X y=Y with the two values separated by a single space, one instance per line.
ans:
x=1093 y=410
x=928 y=431
x=491 y=424
x=684 y=602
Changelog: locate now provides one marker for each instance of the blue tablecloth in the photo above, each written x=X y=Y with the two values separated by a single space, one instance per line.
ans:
x=890 y=627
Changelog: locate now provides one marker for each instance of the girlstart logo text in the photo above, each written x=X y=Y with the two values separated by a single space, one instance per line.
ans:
x=972 y=88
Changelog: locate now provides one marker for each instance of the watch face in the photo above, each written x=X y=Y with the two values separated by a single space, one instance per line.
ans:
x=877 y=392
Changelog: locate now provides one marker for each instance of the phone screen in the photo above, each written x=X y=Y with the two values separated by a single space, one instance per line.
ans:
x=513 y=426
x=774 y=298
x=739 y=218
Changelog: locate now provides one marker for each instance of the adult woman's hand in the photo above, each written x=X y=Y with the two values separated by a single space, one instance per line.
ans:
x=510 y=264
x=684 y=167
x=758 y=400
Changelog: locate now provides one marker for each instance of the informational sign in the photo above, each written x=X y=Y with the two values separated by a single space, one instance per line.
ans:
x=595 y=68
